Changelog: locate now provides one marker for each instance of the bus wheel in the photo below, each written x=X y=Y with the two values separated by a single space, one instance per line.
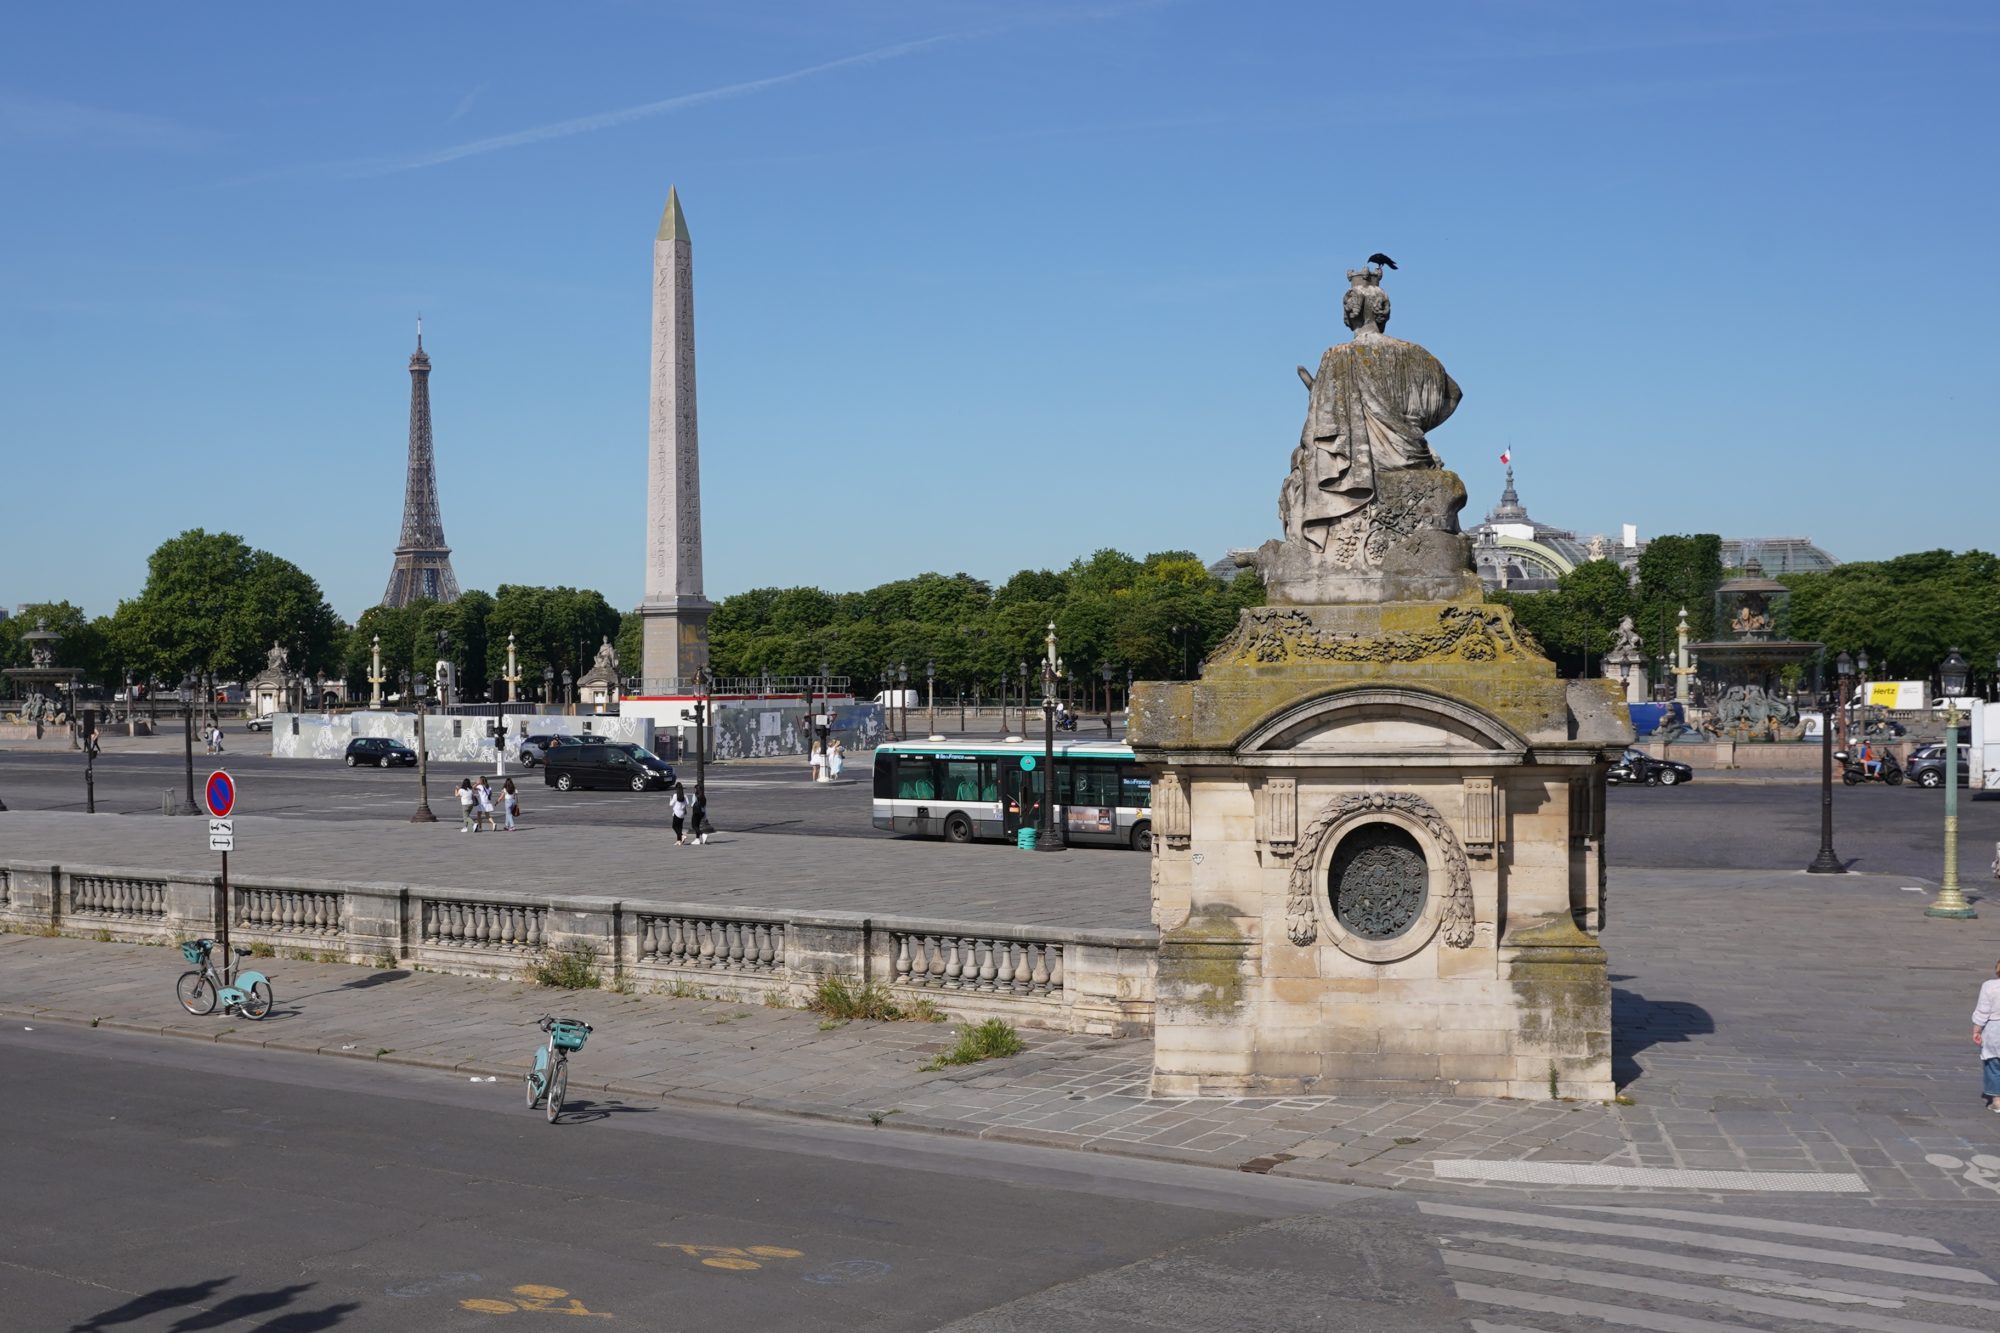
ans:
x=958 y=829
x=1142 y=837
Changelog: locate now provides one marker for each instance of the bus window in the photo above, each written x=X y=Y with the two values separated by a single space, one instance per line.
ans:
x=960 y=780
x=885 y=782
x=916 y=778
x=1135 y=788
x=1093 y=782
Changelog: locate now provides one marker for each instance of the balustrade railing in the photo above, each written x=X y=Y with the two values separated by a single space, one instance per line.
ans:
x=978 y=963
x=714 y=942
x=495 y=927
x=288 y=911
x=117 y=897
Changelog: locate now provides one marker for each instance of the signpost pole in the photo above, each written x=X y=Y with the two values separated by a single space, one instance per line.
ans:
x=222 y=931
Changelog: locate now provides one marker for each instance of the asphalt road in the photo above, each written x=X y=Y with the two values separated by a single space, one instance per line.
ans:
x=1720 y=824
x=172 y=1186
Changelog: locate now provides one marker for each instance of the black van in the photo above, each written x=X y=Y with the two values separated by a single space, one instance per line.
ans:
x=608 y=764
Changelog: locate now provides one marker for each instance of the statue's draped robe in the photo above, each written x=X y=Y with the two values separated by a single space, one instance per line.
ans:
x=1372 y=401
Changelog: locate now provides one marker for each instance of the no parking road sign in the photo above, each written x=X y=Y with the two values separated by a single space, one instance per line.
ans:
x=220 y=793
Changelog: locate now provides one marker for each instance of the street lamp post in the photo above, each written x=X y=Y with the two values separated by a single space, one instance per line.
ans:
x=1105 y=673
x=700 y=738
x=1950 y=898
x=1021 y=677
x=1828 y=862
x=513 y=671
x=823 y=722
x=903 y=699
x=187 y=735
x=375 y=671
x=1045 y=838
x=930 y=698
x=548 y=685
x=569 y=700
x=423 y=814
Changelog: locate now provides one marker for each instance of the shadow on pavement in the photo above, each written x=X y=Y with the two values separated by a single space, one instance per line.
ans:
x=151 y=1302
x=1637 y=1023
x=376 y=979
x=577 y=1109
x=248 y=1305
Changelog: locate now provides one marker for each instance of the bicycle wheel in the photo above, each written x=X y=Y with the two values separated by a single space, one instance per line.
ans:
x=558 y=1085
x=257 y=1002
x=536 y=1076
x=194 y=993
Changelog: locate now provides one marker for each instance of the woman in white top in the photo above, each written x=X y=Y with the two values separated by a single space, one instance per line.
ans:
x=818 y=762
x=1986 y=1032
x=836 y=755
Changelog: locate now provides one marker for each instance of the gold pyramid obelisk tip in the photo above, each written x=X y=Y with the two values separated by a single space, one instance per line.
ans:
x=673 y=224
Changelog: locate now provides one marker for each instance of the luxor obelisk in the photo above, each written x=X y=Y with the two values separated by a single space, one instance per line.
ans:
x=674 y=612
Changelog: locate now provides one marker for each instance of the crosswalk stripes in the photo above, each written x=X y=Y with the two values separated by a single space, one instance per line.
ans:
x=1557 y=1268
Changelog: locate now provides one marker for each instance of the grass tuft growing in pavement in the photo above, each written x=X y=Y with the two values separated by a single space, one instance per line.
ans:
x=841 y=1000
x=991 y=1040
x=572 y=967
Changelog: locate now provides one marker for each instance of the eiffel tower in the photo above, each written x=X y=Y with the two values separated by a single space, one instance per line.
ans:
x=423 y=562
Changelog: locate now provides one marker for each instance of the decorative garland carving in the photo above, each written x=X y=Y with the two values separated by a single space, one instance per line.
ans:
x=1302 y=917
x=1270 y=635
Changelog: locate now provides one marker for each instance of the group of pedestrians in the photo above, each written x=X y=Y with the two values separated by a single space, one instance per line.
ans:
x=826 y=763
x=690 y=815
x=479 y=805
x=211 y=736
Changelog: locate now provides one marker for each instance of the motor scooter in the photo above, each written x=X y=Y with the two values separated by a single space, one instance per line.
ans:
x=1853 y=772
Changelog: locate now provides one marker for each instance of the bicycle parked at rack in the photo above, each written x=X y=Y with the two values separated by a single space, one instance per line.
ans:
x=550 y=1077
x=245 y=993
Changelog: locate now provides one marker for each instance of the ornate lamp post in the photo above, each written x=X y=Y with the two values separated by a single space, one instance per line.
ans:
x=569 y=702
x=1045 y=837
x=1021 y=676
x=1105 y=672
x=824 y=721
x=548 y=684
x=903 y=698
x=1951 y=901
x=375 y=671
x=930 y=698
x=513 y=676
x=423 y=815
x=1842 y=670
x=1827 y=862
x=186 y=693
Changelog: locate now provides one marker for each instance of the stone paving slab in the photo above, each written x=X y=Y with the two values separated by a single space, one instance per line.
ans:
x=1083 y=888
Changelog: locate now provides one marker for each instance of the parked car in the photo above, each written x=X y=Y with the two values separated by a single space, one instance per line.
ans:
x=534 y=747
x=379 y=751
x=569 y=766
x=1926 y=766
x=1636 y=767
x=262 y=723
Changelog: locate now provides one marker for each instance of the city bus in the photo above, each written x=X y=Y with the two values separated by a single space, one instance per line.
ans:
x=961 y=790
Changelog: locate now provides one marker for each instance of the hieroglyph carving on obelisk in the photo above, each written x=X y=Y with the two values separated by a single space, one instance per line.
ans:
x=675 y=613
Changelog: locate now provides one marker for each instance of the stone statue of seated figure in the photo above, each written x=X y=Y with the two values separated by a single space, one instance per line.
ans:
x=1368 y=511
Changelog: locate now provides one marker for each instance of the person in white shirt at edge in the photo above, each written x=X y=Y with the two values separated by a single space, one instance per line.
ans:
x=482 y=802
x=836 y=755
x=1986 y=1032
x=818 y=762
x=465 y=805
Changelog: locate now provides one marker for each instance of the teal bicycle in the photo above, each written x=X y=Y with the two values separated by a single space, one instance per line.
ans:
x=245 y=993
x=549 y=1080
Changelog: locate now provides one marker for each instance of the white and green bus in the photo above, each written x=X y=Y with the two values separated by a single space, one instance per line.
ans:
x=961 y=790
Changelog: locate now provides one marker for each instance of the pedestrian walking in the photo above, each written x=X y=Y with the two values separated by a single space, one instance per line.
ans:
x=818 y=762
x=1986 y=1032
x=698 y=817
x=510 y=805
x=679 y=810
x=836 y=758
x=465 y=799
x=482 y=805
x=215 y=737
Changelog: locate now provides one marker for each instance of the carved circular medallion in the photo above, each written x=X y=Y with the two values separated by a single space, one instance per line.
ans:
x=1378 y=882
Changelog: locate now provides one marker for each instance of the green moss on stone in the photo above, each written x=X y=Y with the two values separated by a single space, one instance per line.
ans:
x=1201 y=964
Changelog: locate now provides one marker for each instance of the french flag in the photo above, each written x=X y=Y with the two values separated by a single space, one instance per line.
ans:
x=1506 y=455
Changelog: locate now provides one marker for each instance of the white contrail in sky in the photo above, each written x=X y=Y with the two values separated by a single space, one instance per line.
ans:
x=604 y=120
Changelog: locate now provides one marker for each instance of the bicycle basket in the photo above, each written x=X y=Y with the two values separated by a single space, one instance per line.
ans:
x=196 y=951
x=569 y=1034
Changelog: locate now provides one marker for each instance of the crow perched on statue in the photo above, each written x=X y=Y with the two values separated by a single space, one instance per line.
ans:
x=1379 y=258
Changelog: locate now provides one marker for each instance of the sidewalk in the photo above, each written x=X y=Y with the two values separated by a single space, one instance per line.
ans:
x=1765 y=1024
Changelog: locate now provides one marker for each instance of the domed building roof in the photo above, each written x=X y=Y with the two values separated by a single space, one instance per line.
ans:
x=1514 y=551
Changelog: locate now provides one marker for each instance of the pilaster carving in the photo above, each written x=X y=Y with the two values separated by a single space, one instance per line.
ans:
x=1170 y=811
x=1479 y=816
x=1301 y=916
x=1278 y=815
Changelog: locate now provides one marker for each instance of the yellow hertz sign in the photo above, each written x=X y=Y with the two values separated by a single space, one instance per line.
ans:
x=1895 y=694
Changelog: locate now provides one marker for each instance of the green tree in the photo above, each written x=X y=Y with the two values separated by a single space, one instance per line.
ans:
x=1677 y=571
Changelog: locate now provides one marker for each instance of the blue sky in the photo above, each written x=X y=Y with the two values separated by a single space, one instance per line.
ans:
x=978 y=286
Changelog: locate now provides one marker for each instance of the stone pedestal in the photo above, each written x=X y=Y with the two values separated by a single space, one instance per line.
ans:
x=1378 y=858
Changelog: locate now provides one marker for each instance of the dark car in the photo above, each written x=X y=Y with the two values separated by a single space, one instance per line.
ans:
x=1926 y=766
x=1639 y=768
x=604 y=764
x=379 y=751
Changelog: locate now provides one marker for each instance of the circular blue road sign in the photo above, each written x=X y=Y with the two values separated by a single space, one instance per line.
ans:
x=1027 y=763
x=220 y=793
